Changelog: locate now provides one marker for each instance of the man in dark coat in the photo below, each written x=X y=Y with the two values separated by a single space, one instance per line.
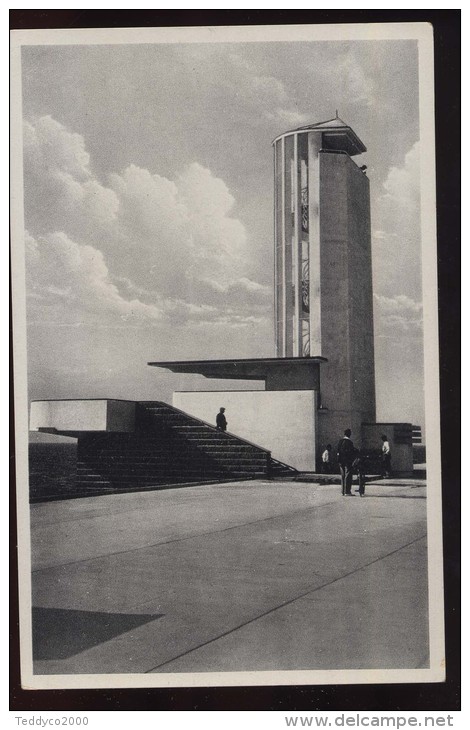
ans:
x=346 y=455
x=221 y=421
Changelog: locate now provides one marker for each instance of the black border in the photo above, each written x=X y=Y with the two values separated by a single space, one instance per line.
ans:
x=391 y=697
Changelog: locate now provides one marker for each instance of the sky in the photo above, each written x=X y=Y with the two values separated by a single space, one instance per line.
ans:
x=148 y=196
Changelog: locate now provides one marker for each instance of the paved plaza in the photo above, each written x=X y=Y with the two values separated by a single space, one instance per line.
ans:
x=255 y=575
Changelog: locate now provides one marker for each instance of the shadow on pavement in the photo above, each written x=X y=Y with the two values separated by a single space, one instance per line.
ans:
x=394 y=496
x=61 y=633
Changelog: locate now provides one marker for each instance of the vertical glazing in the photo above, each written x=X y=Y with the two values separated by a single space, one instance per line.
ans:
x=292 y=255
x=279 y=252
x=289 y=216
x=304 y=247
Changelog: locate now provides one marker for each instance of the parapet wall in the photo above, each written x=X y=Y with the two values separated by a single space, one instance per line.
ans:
x=83 y=415
x=282 y=421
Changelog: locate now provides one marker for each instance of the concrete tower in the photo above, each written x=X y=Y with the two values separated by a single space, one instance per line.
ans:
x=323 y=268
x=322 y=378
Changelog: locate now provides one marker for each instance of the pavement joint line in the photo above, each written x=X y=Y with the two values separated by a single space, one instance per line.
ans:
x=82 y=517
x=183 y=539
x=396 y=496
x=142 y=490
x=286 y=603
x=188 y=537
x=108 y=513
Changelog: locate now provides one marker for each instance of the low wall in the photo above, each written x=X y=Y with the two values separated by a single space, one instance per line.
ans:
x=284 y=422
x=82 y=415
x=419 y=454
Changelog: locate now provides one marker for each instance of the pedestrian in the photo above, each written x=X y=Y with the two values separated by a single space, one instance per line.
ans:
x=386 y=457
x=346 y=455
x=358 y=467
x=326 y=460
x=221 y=421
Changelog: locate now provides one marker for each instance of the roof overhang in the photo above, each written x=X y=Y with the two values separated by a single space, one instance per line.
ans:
x=336 y=135
x=345 y=140
x=278 y=373
x=248 y=369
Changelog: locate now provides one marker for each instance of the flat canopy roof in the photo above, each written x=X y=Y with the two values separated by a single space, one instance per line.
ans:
x=249 y=369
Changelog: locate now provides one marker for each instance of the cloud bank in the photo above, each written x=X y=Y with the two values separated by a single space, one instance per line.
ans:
x=396 y=240
x=399 y=314
x=138 y=246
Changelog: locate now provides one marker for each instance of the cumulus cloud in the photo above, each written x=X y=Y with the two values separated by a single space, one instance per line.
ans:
x=64 y=274
x=243 y=286
x=402 y=183
x=399 y=313
x=354 y=83
x=290 y=117
x=140 y=246
x=397 y=229
x=47 y=142
x=58 y=182
x=381 y=235
x=181 y=230
x=267 y=95
x=70 y=284
x=218 y=242
x=278 y=106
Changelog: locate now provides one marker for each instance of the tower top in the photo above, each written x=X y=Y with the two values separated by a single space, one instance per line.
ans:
x=336 y=135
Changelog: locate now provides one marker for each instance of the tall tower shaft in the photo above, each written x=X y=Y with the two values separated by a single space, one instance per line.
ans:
x=323 y=266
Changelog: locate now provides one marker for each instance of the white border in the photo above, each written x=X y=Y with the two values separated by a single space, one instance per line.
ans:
x=421 y=32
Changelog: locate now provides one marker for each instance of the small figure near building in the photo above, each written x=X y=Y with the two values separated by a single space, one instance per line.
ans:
x=326 y=460
x=221 y=421
x=386 y=457
x=346 y=455
x=359 y=469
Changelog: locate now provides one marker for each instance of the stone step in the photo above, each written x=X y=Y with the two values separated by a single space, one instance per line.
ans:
x=123 y=488
x=159 y=445
x=194 y=451
x=169 y=448
x=96 y=482
x=199 y=457
x=204 y=440
x=108 y=477
x=179 y=479
x=104 y=466
x=106 y=473
x=149 y=473
x=200 y=428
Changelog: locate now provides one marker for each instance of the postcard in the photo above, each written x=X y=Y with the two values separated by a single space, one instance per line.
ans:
x=226 y=356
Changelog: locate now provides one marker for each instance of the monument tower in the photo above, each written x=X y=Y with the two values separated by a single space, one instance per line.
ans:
x=321 y=380
x=323 y=268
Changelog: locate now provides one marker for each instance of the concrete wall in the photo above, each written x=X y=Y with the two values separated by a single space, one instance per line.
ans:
x=331 y=427
x=361 y=313
x=120 y=415
x=347 y=387
x=282 y=421
x=293 y=377
x=83 y=415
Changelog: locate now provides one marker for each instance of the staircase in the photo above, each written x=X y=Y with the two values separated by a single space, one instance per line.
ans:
x=279 y=470
x=168 y=447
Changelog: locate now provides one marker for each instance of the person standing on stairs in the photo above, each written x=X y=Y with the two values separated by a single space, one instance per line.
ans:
x=221 y=421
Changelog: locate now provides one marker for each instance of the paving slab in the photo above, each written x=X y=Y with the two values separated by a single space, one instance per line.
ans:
x=231 y=577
